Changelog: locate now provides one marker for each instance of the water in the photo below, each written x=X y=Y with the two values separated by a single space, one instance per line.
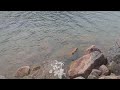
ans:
x=31 y=37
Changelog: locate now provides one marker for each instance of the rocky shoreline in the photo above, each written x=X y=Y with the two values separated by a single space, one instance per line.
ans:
x=92 y=65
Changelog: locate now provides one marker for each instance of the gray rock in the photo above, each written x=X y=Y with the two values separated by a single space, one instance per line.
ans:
x=2 y=77
x=92 y=77
x=114 y=67
x=96 y=72
x=104 y=70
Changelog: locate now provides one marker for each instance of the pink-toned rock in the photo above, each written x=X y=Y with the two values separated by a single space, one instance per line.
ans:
x=92 y=48
x=22 y=71
x=84 y=65
x=104 y=70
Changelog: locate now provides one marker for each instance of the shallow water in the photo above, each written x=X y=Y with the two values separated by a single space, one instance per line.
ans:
x=31 y=37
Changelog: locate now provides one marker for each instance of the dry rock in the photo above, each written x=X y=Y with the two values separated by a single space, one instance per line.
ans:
x=104 y=70
x=84 y=65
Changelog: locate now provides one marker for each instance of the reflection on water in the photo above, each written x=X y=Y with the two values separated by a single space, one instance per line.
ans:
x=35 y=36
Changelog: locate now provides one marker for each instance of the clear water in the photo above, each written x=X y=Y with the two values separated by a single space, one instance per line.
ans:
x=31 y=37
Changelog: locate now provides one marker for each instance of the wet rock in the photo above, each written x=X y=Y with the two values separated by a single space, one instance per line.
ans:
x=22 y=71
x=84 y=65
x=104 y=70
x=2 y=77
x=73 y=51
x=114 y=68
x=80 y=77
x=92 y=48
x=72 y=55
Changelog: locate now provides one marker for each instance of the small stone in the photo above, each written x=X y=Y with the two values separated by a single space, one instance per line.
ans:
x=80 y=77
x=2 y=77
x=108 y=77
x=22 y=71
x=92 y=77
x=104 y=70
x=96 y=72
x=35 y=68
x=112 y=74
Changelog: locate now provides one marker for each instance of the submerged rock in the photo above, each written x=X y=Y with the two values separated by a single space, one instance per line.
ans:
x=84 y=65
x=22 y=71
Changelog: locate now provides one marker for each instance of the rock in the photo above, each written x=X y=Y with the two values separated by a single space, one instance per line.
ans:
x=80 y=77
x=35 y=68
x=72 y=54
x=104 y=70
x=92 y=48
x=94 y=74
x=84 y=65
x=2 y=77
x=92 y=77
x=108 y=77
x=113 y=53
x=114 y=67
x=112 y=74
x=22 y=71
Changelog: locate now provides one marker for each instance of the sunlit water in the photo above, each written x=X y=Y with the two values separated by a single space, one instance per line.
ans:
x=31 y=37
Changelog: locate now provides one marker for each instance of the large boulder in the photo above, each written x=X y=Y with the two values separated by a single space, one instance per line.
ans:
x=84 y=65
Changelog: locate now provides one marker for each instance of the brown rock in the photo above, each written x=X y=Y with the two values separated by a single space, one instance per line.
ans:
x=84 y=65
x=104 y=70
x=35 y=68
x=22 y=71
x=92 y=48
